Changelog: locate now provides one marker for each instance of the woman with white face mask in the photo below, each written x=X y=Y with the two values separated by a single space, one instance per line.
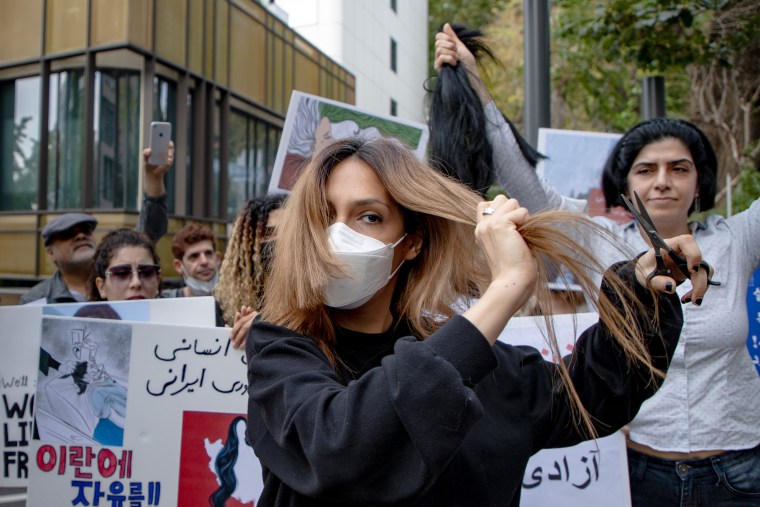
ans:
x=365 y=388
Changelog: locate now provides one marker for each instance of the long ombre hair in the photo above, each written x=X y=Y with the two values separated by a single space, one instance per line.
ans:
x=242 y=273
x=450 y=265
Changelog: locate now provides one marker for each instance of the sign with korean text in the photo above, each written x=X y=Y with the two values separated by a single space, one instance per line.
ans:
x=140 y=414
x=20 y=328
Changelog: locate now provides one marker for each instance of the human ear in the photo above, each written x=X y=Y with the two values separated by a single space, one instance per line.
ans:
x=178 y=266
x=100 y=283
x=414 y=240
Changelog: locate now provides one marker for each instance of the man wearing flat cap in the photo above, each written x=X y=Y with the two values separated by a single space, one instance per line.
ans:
x=70 y=243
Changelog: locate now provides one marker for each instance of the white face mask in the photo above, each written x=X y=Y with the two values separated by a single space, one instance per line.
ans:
x=199 y=287
x=367 y=261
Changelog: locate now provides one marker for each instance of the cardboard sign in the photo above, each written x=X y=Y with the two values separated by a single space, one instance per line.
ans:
x=585 y=475
x=140 y=414
x=20 y=338
x=574 y=166
x=312 y=121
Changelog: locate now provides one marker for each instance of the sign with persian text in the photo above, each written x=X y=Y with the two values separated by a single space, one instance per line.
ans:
x=20 y=328
x=140 y=414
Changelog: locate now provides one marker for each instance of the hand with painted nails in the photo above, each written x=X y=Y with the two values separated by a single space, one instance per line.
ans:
x=685 y=246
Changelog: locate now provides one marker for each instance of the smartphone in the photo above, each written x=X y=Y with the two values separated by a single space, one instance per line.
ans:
x=160 y=135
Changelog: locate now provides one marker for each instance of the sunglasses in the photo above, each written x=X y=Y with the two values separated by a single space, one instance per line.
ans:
x=74 y=231
x=123 y=272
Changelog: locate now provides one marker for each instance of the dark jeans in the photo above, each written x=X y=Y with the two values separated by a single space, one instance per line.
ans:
x=729 y=479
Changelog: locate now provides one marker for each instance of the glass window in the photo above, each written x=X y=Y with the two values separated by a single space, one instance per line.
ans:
x=393 y=55
x=261 y=174
x=394 y=108
x=19 y=143
x=239 y=170
x=393 y=5
x=118 y=157
x=272 y=143
x=189 y=156
x=165 y=109
x=216 y=161
x=66 y=143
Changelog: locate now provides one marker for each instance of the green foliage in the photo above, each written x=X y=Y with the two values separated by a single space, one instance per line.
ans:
x=654 y=35
x=748 y=189
x=603 y=49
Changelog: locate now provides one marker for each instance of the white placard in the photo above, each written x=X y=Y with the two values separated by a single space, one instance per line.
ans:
x=588 y=474
x=312 y=121
x=162 y=404
x=20 y=338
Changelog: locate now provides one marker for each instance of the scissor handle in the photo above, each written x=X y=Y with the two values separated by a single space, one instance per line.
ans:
x=661 y=268
x=680 y=262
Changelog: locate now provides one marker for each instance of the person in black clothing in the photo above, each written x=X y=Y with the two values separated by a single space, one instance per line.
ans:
x=365 y=387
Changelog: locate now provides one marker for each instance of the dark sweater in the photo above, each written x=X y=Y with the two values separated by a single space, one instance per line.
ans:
x=448 y=421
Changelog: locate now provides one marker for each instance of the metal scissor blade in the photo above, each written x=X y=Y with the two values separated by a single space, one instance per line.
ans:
x=646 y=223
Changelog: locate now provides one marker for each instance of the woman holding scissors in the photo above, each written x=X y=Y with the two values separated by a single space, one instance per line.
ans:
x=365 y=386
x=696 y=441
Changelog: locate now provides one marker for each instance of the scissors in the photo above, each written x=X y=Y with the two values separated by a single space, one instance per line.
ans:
x=659 y=244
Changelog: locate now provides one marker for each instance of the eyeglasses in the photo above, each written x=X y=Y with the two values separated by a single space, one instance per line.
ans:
x=123 y=273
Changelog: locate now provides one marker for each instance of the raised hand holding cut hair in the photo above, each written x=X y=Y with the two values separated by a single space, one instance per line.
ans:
x=449 y=50
x=513 y=267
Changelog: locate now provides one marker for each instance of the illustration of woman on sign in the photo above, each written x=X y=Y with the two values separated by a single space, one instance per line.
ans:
x=231 y=462
x=86 y=402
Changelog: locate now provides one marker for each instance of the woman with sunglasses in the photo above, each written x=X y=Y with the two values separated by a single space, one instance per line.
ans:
x=125 y=266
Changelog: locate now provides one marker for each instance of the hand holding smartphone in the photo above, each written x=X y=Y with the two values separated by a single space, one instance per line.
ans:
x=160 y=135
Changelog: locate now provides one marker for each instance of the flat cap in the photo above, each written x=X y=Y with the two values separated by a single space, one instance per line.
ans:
x=65 y=222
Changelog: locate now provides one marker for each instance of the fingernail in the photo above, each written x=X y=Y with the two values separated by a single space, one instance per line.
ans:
x=686 y=300
x=698 y=301
x=669 y=287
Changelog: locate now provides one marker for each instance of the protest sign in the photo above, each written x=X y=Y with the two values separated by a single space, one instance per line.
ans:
x=574 y=164
x=585 y=475
x=312 y=121
x=153 y=413
x=21 y=327
x=753 y=310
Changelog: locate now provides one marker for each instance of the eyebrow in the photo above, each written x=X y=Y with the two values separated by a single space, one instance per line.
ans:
x=669 y=162
x=366 y=202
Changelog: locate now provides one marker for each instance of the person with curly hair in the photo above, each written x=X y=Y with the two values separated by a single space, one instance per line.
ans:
x=247 y=262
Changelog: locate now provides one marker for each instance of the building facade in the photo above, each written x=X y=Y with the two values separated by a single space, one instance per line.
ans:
x=81 y=81
x=381 y=42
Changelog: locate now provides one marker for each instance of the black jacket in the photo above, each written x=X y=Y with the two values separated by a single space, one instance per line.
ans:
x=448 y=421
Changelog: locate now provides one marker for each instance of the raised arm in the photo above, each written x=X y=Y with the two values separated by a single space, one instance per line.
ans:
x=513 y=165
x=610 y=386
x=154 y=216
